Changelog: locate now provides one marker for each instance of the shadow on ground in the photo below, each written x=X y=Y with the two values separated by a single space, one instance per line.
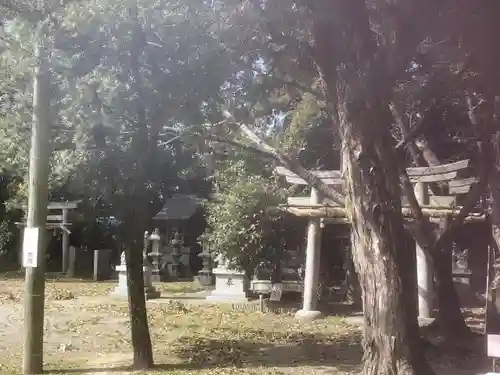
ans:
x=290 y=350
x=105 y=370
x=181 y=297
x=266 y=350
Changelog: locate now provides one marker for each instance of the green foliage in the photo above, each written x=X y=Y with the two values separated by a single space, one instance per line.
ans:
x=115 y=99
x=9 y=232
x=239 y=225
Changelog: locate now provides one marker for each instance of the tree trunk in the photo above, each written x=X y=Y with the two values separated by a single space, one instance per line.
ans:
x=359 y=85
x=450 y=318
x=141 y=340
x=493 y=312
x=386 y=271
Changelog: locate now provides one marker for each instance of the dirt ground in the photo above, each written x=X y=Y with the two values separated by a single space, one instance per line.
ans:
x=87 y=332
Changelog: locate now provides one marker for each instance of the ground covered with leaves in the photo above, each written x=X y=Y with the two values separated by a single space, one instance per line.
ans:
x=87 y=332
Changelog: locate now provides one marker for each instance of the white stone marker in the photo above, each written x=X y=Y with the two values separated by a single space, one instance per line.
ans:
x=230 y=285
x=121 y=290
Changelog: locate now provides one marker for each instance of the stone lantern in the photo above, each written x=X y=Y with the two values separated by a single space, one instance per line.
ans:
x=176 y=244
x=205 y=276
x=155 y=255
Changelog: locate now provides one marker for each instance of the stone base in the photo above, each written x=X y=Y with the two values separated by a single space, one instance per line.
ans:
x=152 y=293
x=204 y=279
x=119 y=292
x=123 y=293
x=227 y=298
x=230 y=286
x=308 y=314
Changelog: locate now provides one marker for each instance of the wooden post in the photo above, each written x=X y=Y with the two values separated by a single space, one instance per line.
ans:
x=424 y=270
x=37 y=213
x=65 y=241
x=311 y=276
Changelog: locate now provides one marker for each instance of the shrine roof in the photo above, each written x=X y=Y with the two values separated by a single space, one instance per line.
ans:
x=179 y=207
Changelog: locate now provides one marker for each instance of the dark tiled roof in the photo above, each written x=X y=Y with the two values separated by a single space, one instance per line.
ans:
x=179 y=207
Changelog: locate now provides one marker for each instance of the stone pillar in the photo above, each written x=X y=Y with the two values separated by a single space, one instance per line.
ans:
x=205 y=277
x=175 y=267
x=71 y=262
x=311 y=277
x=65 y=241
x=102 y=264
x=424 y=269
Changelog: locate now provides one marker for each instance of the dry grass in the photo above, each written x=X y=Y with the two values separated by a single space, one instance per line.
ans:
x=88 y=333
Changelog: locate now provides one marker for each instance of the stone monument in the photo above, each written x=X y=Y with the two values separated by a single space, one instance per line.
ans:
x=230 y=285
x=155 y=254
x=121 y=290
x=102 y=264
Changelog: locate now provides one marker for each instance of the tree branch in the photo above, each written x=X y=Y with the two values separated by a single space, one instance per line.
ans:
x=423 y=228
x=473 y=196
x=317 y=94
x=435 y=80
x=259 y=146
x=415 y=152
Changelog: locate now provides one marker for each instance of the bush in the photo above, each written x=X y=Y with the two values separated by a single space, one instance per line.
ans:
x=239 y=225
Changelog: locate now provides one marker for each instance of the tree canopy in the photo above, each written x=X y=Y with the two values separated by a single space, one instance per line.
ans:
x=143 y=91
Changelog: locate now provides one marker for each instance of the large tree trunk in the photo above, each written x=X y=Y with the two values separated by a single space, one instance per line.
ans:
x=386 y=271
x=360 y=87
x=141 y=340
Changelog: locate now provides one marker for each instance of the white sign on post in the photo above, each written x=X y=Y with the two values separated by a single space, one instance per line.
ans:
x=493 y=346
x=30 y=247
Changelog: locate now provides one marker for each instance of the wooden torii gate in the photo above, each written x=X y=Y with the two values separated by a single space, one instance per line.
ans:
x=59 y=220
x=316 y=208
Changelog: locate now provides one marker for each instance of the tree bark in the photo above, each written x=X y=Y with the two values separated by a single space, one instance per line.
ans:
x=141 y=340
x=353 y=295
x=359 y=78
x=391 y=336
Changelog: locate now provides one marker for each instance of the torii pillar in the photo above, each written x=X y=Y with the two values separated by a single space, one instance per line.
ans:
x=425 y=275
x=309 y=309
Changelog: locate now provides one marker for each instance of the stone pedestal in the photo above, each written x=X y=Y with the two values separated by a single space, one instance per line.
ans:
x=230 y=286
x=308 y=314
x=122 y=291
x=204 y=278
